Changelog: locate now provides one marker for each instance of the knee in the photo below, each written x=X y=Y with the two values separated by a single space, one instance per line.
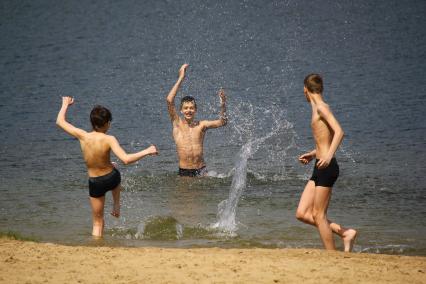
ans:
x=300 y=215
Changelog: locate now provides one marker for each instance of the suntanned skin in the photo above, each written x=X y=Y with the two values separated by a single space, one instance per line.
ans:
x=96 y=147
x=314 y=201
x=187 y=132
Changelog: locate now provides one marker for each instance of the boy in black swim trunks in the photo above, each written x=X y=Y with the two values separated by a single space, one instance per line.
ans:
x=328 y=135
x=189 y=133
x=96 y=147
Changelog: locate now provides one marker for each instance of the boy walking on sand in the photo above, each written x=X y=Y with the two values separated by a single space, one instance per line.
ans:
x=96 y=147
x=315 y=198
x=189 y=133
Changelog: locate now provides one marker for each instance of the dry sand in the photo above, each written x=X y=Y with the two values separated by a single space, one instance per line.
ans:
x=29 y=262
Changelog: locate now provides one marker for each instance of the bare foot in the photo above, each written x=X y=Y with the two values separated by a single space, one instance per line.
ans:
x=349 y=237
x=116 y=210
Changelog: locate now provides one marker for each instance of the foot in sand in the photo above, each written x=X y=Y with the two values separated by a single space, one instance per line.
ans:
x=349 y=237
x=116 y=210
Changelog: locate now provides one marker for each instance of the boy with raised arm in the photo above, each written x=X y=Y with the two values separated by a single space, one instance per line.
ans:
x=188 y=133
x=315 y=198
x=96 y=147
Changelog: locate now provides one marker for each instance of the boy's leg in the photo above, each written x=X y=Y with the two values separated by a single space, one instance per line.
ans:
x=304 y=214
x=348 y=235
x=116 y=201
x=321 y=200
x=97 y=204
x=306 y=204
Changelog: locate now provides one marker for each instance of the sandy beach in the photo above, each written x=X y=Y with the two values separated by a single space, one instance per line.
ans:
x=29 y=262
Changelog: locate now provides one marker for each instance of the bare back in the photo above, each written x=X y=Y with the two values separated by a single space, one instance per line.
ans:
x=323 y=133
x=96 y=153
x=189 y=141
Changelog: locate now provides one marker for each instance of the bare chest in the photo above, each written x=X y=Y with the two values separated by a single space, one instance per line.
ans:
x=188 y=134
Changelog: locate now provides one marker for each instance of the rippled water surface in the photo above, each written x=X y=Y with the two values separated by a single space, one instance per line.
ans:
x=125 y=55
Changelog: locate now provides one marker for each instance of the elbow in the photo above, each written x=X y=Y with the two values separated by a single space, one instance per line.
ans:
x=126 y=160
x=342 y=134
x=224 y=122
x=58 y=122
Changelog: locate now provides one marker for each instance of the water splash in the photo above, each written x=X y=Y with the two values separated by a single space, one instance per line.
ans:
x=247 y=128
x=160 y=228
x=227 y=208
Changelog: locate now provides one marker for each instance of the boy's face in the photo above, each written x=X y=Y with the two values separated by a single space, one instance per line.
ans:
x=305 y=91
x=188 y=110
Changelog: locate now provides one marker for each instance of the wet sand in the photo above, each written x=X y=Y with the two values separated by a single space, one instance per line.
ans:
x=29 y=262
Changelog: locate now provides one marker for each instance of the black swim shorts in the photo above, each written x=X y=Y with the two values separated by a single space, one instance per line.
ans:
x=98 y=186
x=193 y=172
x=326 y=177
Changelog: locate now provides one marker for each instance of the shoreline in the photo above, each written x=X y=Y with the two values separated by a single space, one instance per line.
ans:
x=29 y=262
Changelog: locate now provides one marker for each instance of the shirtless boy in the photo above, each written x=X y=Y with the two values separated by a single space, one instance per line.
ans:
x=188 y=133
x=96 y=147
x=315 y=198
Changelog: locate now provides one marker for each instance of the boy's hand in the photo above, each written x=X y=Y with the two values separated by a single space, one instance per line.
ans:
x=67 y=101
x=323 y=163
x=152 y=150
x=182 y=71
x=222 y=96
x=306 y=158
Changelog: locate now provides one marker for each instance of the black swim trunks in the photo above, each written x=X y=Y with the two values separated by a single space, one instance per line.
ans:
x=98 y=186
x=193 y=172
x=326 y=177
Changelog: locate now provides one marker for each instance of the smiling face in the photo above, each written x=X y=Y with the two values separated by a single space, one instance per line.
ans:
x=188 y=110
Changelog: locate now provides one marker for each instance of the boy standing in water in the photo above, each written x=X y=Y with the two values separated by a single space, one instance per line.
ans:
x=96 y=147
x=189 y=133
x=328 y=135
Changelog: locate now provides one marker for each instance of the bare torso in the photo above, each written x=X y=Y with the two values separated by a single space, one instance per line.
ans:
x=189 y=144
x=323 y=134
x=96 y=153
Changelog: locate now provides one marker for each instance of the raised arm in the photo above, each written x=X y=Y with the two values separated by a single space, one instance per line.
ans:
x=130 y=158
x=64 y=124
x=325 y=113
x=223 y=119
x=172 y=94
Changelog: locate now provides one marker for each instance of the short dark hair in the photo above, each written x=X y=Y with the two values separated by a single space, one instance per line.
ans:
x=188 y=99
x=99 y=116
x=313 y=82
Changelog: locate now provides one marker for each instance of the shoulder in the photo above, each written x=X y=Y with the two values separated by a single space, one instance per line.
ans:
x=79 y=133
x=323 y=109
x=108 y=137
x=204 y=123
x=177 y=122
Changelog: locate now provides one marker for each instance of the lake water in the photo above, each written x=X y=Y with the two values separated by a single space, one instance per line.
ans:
x=125 y=55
